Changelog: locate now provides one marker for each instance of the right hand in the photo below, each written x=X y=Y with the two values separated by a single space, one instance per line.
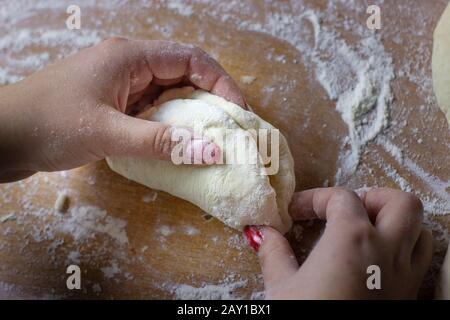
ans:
x=382 y=227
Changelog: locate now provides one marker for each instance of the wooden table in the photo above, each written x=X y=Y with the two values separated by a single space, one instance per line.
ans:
x=169 y=242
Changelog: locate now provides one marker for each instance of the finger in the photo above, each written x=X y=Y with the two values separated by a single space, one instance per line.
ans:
x=15 y=175
x=276 y=257
x=125 y=135
x=422 y=253
x=132 y=99
x=145 y=99
x=396 y=214
x=166 y=82
x=169 y=60
x=327 y=204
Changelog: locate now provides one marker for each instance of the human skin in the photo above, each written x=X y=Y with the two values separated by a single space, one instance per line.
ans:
x=77 y=111
x=380 y=227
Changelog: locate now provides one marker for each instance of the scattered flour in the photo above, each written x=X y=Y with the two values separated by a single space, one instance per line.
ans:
x=8 y=217
x=86 y=222
x=248 y=79
x=359 y=79
x=180 y=7
x=61 y=201
x=191 y=230
x=96 y=288
x=150 y=197
x=165 y=231
x=111 y=271
x=357 y=75
x=225 y=291
x=297 y=231
x=73 y=257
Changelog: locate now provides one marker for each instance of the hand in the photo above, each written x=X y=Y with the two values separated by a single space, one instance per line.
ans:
x=381 y=227
x=75 y=111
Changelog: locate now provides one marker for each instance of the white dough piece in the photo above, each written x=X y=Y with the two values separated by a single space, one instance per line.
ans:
x=441 y=62
x=61 y=201
x=236 y=194
x=443 y=285
x=248 y=79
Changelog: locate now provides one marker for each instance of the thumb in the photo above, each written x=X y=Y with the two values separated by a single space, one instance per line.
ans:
x=126 y=135
x=276 y=257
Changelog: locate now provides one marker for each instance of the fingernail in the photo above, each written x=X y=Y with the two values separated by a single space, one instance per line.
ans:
x=254 y=237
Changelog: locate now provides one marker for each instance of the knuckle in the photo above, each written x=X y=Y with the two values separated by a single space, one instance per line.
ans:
x=162 y=143
x=197 y=50
x=414 y=202
x=201 y=55
x=114 y=42
x=344 y=193
x=362 y=233
x=412 y=205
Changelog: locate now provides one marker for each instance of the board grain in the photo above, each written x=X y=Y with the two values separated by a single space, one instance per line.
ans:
x=172 y=242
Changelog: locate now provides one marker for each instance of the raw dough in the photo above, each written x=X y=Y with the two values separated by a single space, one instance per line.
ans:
x=236 y=194
x=441 y=62
x=61 y=202
x=441 y=81
x=443 y=285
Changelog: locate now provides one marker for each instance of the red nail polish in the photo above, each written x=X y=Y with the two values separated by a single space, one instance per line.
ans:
x=254 y=237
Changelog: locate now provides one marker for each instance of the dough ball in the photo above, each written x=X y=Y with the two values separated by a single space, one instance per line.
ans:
x=238 y=194
x=441 y=62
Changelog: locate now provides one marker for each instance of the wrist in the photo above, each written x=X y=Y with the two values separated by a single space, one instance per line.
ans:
x=18 y=136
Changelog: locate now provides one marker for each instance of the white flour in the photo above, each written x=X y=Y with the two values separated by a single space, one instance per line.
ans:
x=359 y=79
x=191 y=230
x=165 y=231
x=225 y=290
x=110 y=271
x=87 y=221
x=357 y=72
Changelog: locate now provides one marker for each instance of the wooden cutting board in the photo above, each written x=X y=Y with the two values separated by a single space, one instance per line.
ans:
x=130 y=244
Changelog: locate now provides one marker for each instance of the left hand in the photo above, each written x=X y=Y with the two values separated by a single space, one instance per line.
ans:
x=76 y=111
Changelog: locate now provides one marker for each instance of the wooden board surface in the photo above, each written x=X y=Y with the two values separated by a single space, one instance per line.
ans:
x=168 y=242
